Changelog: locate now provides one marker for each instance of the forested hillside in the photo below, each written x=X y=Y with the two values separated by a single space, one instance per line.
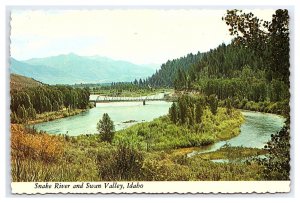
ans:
x=165 y=76
x=254 y=67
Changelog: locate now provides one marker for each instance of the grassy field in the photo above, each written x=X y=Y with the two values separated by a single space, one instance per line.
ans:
x=232 y=153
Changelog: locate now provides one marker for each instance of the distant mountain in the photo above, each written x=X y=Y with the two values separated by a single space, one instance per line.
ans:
x=18 y=82
x=71 y=69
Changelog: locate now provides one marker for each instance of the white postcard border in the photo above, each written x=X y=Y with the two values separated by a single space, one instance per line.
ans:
x=151 y=187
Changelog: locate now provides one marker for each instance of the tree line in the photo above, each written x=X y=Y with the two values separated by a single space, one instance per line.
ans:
x=116 y=88
x=189 y=110
x=27 y=103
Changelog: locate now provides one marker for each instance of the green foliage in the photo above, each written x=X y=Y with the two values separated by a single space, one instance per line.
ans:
x=173 y=113
x=279 y=45
x=189 y=109
x=232 y=154
x=22 y=114
x=180 y=81
x=43 y=99
x=254 y=67
x=163 y=133
x=162 y=166
x=213 y=103
x=182 y=109
x=199 y=111
x=173 y=69
x=124 y=162
x=269 y=40
x=281 y=108
x=277 y=162
x=31 y=112
x=126 y=89
x=106 y=128
x=209 y=171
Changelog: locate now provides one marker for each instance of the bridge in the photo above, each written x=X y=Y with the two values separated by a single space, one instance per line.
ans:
x=102 y=98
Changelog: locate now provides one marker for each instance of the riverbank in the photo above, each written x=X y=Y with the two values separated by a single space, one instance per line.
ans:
x=54 y=115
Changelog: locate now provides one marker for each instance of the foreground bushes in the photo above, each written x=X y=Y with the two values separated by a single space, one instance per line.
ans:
x=29 y=150
x=42 y=157
x=123 y=162
x=37 y=146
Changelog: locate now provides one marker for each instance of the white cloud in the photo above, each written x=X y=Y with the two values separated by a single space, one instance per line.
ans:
x=141 y=36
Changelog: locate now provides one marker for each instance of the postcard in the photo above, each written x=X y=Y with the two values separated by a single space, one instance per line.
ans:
x=149 y=100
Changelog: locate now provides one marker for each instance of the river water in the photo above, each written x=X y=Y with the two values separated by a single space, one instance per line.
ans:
x=255 y=132
x=123 y=114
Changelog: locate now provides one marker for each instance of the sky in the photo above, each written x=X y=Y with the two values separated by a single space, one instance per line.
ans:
x=141 y=36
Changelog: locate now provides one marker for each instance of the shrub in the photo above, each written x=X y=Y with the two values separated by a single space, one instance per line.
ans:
x=122 y=163
x=34 y=146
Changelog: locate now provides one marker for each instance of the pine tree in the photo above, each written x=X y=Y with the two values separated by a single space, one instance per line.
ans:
x=106 y=128
x=182 y=109
x=22 y=113
x=198 y=112
x=31 y=112
x=213 y=103
x=173 y=113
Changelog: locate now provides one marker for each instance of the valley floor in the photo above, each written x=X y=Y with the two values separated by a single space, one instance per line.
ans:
x=133 y=154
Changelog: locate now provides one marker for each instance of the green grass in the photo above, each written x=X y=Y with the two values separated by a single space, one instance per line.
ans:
x=232 y=153
x=162 y=134
x=163 y=166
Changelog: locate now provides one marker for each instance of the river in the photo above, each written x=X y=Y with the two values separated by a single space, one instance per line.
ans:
x=124 y=114
x=255 y=132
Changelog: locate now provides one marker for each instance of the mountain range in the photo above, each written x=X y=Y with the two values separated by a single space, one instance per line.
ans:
x=72 y=68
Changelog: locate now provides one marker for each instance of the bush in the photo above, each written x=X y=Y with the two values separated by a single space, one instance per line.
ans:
x=277 y=162
x=122 y=163
x=33 y=154
x=35 y=146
